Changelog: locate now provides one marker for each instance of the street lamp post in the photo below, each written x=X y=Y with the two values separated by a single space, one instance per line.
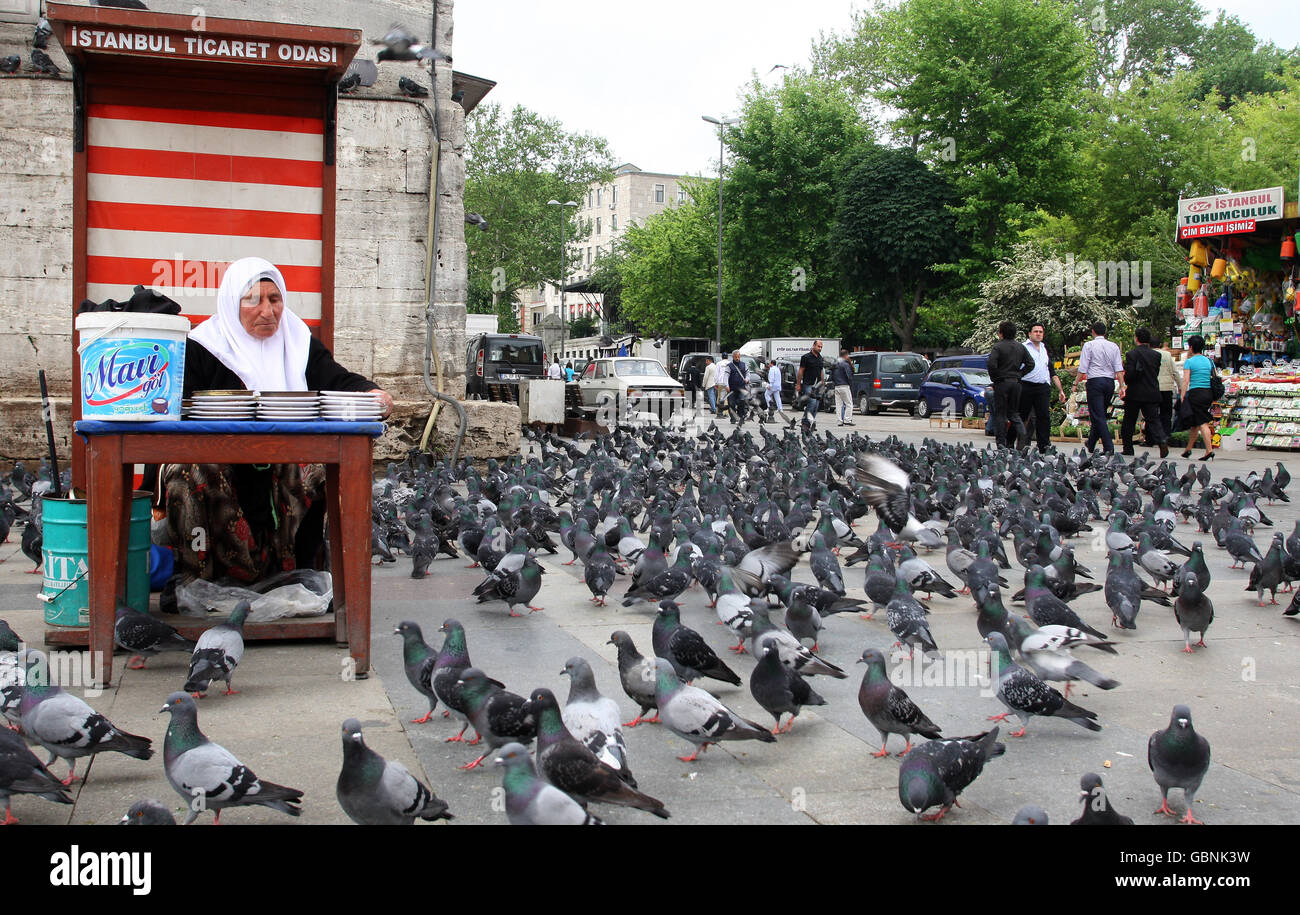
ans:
x=721 y=123
x=563 y=260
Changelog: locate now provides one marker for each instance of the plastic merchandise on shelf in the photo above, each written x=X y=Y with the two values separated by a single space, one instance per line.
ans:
x=302 y=592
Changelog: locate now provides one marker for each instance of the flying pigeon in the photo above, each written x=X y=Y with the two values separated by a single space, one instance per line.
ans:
x=374 y=791
x=937 y=771
x=217 y=653
x=1179 y=758
x=206 y=775
x=530 y=801
x=400 y=44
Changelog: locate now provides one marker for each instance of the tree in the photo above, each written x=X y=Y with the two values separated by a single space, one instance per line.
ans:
x=788 y=153
x=514 y=164
x=668 y=267
x=1229 y=60
x=892 y=226
x=1132 y=39
x=584 y=326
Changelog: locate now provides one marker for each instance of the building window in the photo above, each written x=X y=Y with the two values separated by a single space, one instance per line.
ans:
x=613 y=222
x=614 y=194
x=659 y=193
x=589 y=200
x=598 y=223
x=588 y=256
x=597 y=196
x=681 y=195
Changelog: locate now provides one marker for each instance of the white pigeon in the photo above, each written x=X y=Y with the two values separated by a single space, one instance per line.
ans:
x=694 y=715
x=594 y=719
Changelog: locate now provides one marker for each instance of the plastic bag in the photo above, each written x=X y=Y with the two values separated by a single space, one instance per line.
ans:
x=302 y=592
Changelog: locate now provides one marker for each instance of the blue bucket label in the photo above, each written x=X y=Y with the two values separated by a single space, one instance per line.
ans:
x=140 y=378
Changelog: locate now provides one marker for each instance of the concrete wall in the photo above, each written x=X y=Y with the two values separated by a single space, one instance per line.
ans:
x=382 y=217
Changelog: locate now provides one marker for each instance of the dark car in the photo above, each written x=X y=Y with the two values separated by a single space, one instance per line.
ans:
x=956 y=390
x=790 y=370
x=884 y=380
x=501 y=359
x=973 y=361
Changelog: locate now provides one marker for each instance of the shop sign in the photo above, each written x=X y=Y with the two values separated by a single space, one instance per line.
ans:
x=200 y=47
x=1228 y=214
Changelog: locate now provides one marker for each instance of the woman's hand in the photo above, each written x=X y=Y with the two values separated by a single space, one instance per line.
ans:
x=384 y=398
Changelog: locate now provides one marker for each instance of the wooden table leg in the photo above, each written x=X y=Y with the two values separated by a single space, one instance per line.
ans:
x=338 y=572
x=108 y=517
x=354 y=521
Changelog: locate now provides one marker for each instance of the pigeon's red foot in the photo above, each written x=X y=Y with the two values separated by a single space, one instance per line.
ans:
x=425 y=719
x=1201 y=643
x=474 y=765
x=132 y=665
x=199 y=695
x=512 y=612
x=882 y=754
x=1019 y=733
x=907 y=749
x=1191 y=820
x=739 y=649
x=1002 y=717
x=935 y=817
x=472 y=566
x=477 y=738
x=1165 y=809
x=446 y=714
x=10 y=819
x=532 y=609
x=229 y=692
x=1188 y=649
x=570 y=562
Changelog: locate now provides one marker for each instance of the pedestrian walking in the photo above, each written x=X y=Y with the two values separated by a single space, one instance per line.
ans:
x=737 y=383
x=1171 y=383
x=1100 y=369
x=1036 y=390
x=842 y=378
x=710 y=384
x=1141 y=393
x=568 y=371
x=1198 y=372
x=555 y=373
x=807 y=382
x=1009 y=361
x=773 y=392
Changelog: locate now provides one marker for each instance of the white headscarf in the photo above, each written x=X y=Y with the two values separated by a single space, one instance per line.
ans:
x=278 y=363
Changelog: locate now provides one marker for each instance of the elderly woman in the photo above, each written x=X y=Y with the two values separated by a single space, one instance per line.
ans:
x=248 y=521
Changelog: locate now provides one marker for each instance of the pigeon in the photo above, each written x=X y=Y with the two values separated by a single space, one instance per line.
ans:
x=906 y=618
x=147 y=813
x=599 y=572
x=497 y=714
x=792 y=653
x=145 y=635
x=568 y=765
x=1097 y=809
x=65 y=725
x=217 y=653
x=475 y=219
x=594 y=720
x=937 y=771
x=410 y=87
x=532 y=802
x=1179 y=758
x=41 y=63
x=668 y=585
x=514 y=586
x=418 y=660
x=1025 y=696
x=206 y=775
x=32 y=544
x=10 y=64
x=1193 y=609
x=1046 y=651
x=1046 y=609
x=779 y=689
x=1267 y=574
x=686 y=649
x=453 y=657
x=888 y=708
x=9 y=640
x=695 y=716
x=22 y=773
x=400 y=44
x=637 y=675
x=1030 y=815
x=374 y=791
x=885 y=489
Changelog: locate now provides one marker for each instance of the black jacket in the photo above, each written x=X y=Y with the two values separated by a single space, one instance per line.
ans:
x=737 y=377
x=205 y=372
x=1009 y=361
x=1142 y=375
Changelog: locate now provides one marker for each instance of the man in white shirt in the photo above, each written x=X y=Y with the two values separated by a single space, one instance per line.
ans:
x=773 y=392
x=1100 y=364
x=555 y=373
x=710 y=385
x=1036 y=388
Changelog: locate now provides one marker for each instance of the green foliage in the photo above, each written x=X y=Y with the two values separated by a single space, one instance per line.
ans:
x=892 y=226
x=1230 y=63
x=514 y=164
x=789 y=151
x=668 y=272
x=1136 y=38
x=584 y=326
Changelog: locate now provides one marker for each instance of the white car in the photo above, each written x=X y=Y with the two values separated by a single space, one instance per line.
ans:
x=622 y=387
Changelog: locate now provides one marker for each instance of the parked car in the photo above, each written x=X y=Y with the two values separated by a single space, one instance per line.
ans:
x=957 y=390
x=972 y=361
x=629 y=384
x=501 y=358
x=790 y=370
x=884 y=380
x=691 y=360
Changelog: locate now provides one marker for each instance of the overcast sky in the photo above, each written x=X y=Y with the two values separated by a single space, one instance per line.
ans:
x=641 y=75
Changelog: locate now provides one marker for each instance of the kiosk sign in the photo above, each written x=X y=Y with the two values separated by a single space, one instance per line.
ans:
x=1228 y=214
x=200 y=47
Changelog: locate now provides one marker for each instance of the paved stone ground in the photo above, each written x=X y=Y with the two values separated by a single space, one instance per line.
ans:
x=1244 y=692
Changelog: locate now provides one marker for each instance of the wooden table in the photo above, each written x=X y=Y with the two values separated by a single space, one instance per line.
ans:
x=114 y=448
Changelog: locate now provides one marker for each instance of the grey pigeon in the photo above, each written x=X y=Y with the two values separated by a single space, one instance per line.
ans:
x=10 y=64
x=530 y=801
x=217 y=653
x=1097 y=808
x=594 y=720
x=65 y=725
x=418 y=660
x=9 y=640
x=1193 y=609
x=937 y=771
x=1046 y=651
x=497 y=714
x=22 y=773
x=568 y=765
x=1026 y=696
x=374 y=791
x=686 y=649
x=411 y=88
x=206 y=775
x=147 y=813
x=780 y=690
x=599 y=573
x=637 y=675
x=888 y=708
x=1030 y=815
x=792 y=653
x=401 y=44
x=1179 y=758
x=694 y=715
x=145 y=635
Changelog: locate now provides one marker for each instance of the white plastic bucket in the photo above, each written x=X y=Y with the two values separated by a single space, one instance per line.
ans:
x=132 y=365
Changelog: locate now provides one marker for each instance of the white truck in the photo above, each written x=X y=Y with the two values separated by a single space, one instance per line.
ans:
x=789 y=348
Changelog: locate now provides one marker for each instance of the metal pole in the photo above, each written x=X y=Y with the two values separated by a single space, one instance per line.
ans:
x=564 y=318
x=717 y=329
